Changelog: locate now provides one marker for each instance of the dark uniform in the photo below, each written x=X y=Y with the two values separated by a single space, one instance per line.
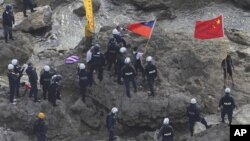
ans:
x=32 y=74
x=128 y=74
x=12 y=84
x=19 y=71
x=54 y=90
x=167 y=133
x=138 y=63
x=111 y=53
x=110 y=123
x=193 y=114
x=83 y=82
x=27 y=4
x=228 y=104
x=45 y=79
x=227 y=65
x=8 y=21
x=119 y=64
x=40 y=130
x=151 y=74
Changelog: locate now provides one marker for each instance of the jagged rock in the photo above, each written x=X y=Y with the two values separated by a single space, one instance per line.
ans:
x=243 y=3
x=146 y=136
x=8 y=135
x=80 y=11
x=242 y=116
x=37 y=20
x=238 y=36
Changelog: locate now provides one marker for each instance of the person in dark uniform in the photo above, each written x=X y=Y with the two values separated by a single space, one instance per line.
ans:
x=151 y=74
x=166 y=131
x=8 y=22
x=45 y=79
x=111 y=53
x=33 y=78
x=19 y=72
x=138 y=61
x=228 y=68
x=227 y=106
x=12 y=82
x=128 y=75
x=110 y=123
x=120 y=63
x=28 y=4
x=118 y=35
x=97 y=63
x=53 y=89
x=40 y=128
x=193 y=114
x=83 y=80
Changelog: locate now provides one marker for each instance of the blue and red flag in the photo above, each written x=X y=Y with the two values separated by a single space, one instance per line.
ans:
x=144 y=29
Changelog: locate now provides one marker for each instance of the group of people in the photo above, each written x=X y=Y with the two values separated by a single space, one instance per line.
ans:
x=49 y=81
x=8 y=18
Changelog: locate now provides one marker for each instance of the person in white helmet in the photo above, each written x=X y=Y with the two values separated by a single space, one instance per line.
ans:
x=166 y=132
x=83 y=80
x=12 y=82
x=45 y=79
x=227 y=106
x=194 y=116
x=128 y=75
x=19 y=72
x=120 y=63
x=151 y=74
x=110 y=122
x=117 y=34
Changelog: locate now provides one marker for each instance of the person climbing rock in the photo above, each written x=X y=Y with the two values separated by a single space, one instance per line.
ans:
x=12 y=82
x=166 y=132
x=83 y=80
x=110 y=123
x=151 y=74
x=194 y=116
x=120 y=63
x=45 y=79
x=227 y=105
x=228 y=68
x=8 y=22
x=28 y=4
x=40 y=128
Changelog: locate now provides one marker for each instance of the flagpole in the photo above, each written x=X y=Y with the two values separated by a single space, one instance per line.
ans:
x=146 y=47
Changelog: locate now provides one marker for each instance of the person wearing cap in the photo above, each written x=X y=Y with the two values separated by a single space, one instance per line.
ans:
x=19 y=72
x=53 y=89
x=40 y=128
x=117 y=34
x=28 y=4
x=120 y=62
x=12 y=82
x=8 y=22
x=227 y=106
x=110 y=122
x=151 y=74
x=194 y=116
x=138 y=61
x=33 y=78
x=45 y=79
x=166 y=131
x=83 y=80
x=128 y=75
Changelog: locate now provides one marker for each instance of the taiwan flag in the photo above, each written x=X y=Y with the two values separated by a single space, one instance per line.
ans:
x=144 y=29
x=209 y=29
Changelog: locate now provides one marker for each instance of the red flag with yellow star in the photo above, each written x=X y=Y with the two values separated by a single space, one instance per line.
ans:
x=209 y=29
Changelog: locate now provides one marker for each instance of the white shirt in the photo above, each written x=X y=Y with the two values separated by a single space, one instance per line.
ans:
x=89 y=55
x=138 y=55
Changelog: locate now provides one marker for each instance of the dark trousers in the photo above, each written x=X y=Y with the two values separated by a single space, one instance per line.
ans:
x=41 y=138
x=27 y=6
x=17 y=87
x=111 y=134
x=45 y=90
x=151 y=82
x=138 y=66
x=83 y=90
x=99 y=70
x=12 y=93
x=52 y=98
x=111 y=59
x=229 y=113
x=127 y=85
x=33 y=90
x=7 y=33
x=192 y=123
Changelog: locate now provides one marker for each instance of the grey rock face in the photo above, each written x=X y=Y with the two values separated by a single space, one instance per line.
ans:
x=243 y=3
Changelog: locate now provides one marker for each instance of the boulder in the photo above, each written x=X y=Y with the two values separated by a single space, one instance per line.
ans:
x=37 y=20
x=238 y=36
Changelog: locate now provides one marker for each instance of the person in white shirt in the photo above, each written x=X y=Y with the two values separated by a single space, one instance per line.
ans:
x=138 y=61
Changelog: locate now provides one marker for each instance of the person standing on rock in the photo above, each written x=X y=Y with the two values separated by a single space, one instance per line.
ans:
x=33 y=78
x=12 y=82
x=110 y=123
x=227 y=105
x=194 y=116
x=89 y=55
x=166 y=131
x=138 y=61
x=120 y=63
x=53 y=89
x=83 y=80
x=228 y=68
x=28 y=4
x=128 y=75
x=111 y=53
x=151 y=74
x=19 y=72
x=40 y=128
x=8 y=22
x=117 y=34
x=45 y=79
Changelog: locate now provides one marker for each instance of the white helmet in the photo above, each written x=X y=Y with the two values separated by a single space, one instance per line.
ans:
x=114 y=110
x=166 y=121
x=127 y=60
x=227 y=90
x=193 y=101
x=115 y=32
x=46 y=68
x=149 y=59
x=10 y=67
x=81 y=66
x=14 y=62
x=123 y=49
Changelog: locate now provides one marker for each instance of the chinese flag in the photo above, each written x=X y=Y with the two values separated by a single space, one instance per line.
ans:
x=209 y=29
x=142 y=28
